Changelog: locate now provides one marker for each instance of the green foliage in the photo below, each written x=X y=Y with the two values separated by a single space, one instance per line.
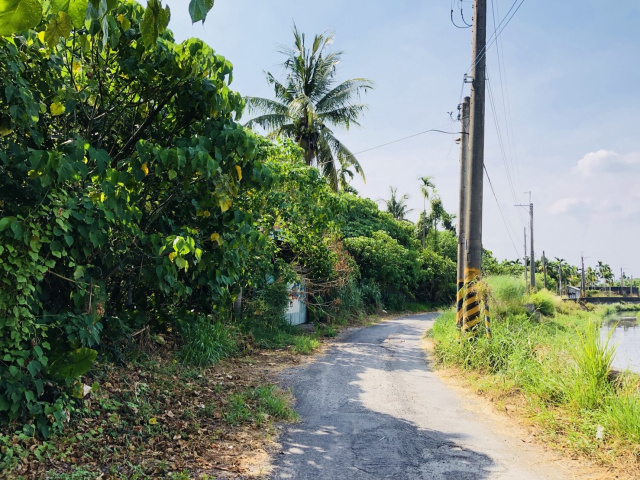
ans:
x=593 y=364
x=206 y=341
x=18 y=15
x=437 y=280
x=544 y=302
x=74 y=363
x=507 y=289
x=361 y=217
x=561 y=365
x=121 y=189
x=382 y=259
x=257 y=405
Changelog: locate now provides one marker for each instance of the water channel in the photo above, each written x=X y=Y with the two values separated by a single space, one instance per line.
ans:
x=626 y=339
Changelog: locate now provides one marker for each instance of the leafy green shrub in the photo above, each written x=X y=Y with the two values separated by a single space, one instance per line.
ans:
x=545 y=302
x=384 y=260
x=206 y=341
x=437 y=280
x=100 y=220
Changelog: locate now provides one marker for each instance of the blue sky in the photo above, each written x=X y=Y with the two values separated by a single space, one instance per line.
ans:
x=569 y=121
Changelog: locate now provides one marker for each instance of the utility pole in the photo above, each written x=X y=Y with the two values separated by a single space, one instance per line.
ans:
x=560 y=278
x=526 y=278
x=544 y=268
x=583 y=289
x=462 y=209
x=621 y=282
x=532 y=257
x=476 y=167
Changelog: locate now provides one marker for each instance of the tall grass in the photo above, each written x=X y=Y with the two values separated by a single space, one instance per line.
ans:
x=206 y=341
x=560 y=364
x=593 y=365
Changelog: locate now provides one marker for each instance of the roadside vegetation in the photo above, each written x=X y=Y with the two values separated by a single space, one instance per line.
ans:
x=548 y=360
x=148 y=242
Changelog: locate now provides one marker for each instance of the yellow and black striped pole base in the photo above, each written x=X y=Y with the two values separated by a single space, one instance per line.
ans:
x=469 y=305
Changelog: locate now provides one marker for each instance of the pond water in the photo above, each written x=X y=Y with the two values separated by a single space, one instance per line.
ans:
x=626 y=337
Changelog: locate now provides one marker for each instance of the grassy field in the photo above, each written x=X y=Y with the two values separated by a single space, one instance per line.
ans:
x=555 y=366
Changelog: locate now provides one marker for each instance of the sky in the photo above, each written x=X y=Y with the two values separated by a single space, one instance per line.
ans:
x=564 y=123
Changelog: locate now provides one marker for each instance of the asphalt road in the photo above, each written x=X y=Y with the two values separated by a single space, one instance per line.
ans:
x=371 y=408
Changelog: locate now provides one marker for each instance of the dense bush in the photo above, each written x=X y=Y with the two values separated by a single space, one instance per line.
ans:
x=383 y=259
x=120 y=192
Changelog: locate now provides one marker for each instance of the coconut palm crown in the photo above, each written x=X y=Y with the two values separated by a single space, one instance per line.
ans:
x=308 y=102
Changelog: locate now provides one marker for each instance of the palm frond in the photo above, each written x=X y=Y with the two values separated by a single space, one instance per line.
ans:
x=270 y=122
x=344 y=93
x=258 y=104
x=344 y=116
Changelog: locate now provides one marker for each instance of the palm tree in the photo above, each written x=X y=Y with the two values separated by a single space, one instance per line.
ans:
x=308 y=102
x=425 y=188
x=397 y=207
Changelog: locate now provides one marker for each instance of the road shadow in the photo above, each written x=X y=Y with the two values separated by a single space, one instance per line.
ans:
x=340 y=438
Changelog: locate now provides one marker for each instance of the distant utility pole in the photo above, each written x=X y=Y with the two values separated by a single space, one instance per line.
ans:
x=544 y=268
x=476 y=166
x=583 y=289
x=560 y=279
x=532 y=257
x=526 y=278
x=462 y=209
x=621 y=282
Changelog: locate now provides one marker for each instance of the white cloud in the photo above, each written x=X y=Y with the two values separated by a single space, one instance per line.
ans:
x=570 y=206
x=607 y=162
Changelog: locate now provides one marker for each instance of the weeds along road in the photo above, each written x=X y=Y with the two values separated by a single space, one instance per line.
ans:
x=372 y=408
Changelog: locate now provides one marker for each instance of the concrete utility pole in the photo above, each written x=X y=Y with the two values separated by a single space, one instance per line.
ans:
x=532 y=257
x=462 y=208
x=476 y=150
x=526 y=278
x=621 y=282
x=544 y=268
x=583 y=289
x=560 y=279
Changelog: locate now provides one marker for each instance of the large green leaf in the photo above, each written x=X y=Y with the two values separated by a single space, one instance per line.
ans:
x=154 y=22
x=19 y=15
x=76 y=9
x=74 y=363
x=59 y=26
x=198 y=9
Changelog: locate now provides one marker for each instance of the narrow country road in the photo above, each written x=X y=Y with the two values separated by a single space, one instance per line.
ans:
x=371 y=408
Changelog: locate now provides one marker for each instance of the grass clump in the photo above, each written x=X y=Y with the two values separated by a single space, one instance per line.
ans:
x=257 y=405
x=544 y=302
x=206 y=341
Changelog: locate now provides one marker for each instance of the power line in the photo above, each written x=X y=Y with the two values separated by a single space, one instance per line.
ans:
x=501 y=214
x=499 y=29
x=407 y=138
x=506 y=104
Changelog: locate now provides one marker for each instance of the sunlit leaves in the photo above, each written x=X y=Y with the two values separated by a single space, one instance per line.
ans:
x=154 y=22
x=198 y=9
x=76 y=9
x=59 y=26
x=57 y=108
x=19 y=15
x=239 y=170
